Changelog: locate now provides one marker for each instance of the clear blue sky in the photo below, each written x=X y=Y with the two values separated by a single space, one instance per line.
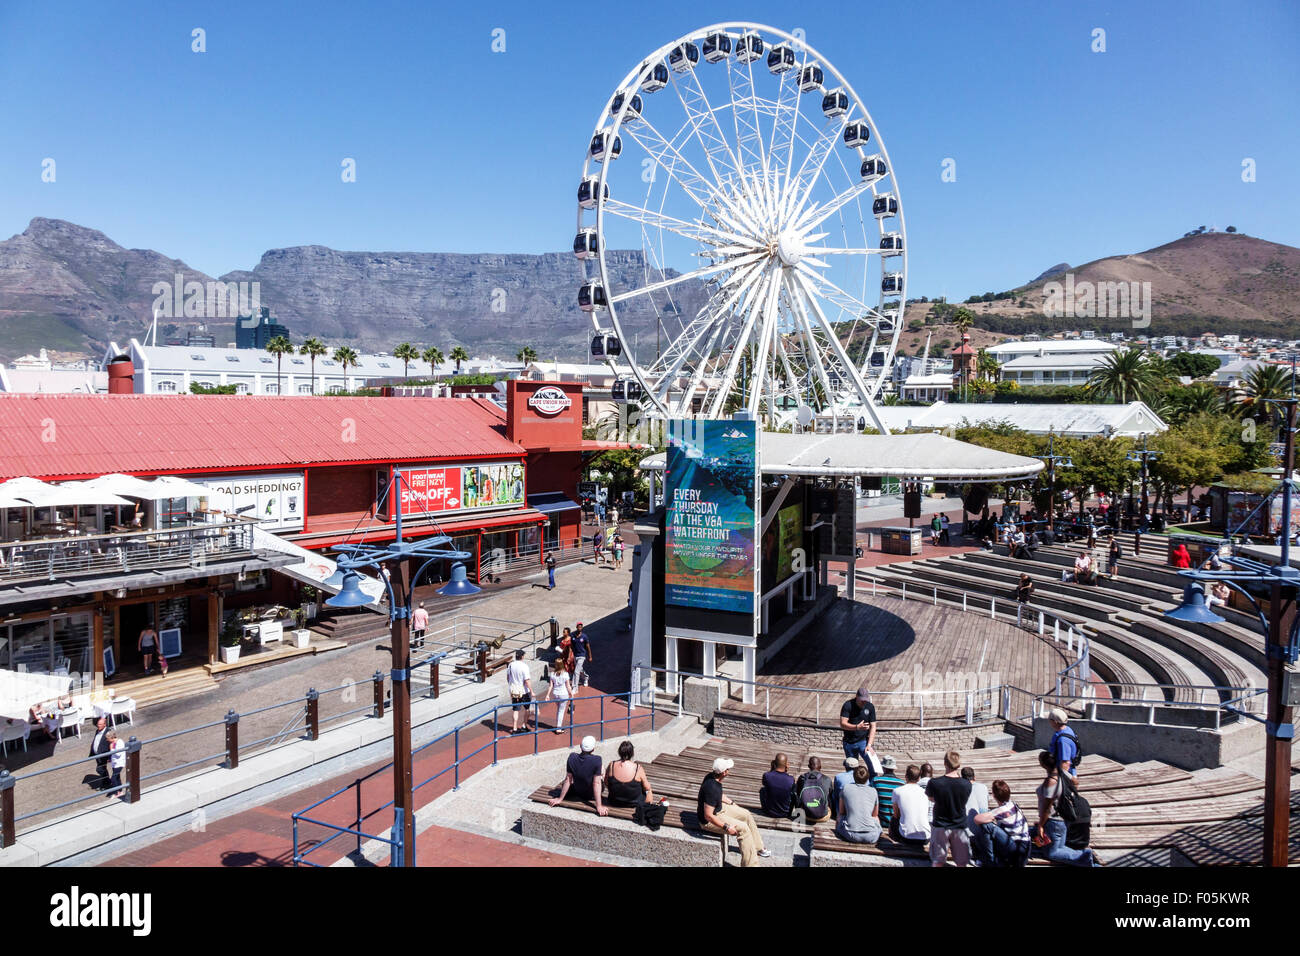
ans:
x=1061 y=153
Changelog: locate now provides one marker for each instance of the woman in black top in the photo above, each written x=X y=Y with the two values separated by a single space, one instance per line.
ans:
x=625 y=779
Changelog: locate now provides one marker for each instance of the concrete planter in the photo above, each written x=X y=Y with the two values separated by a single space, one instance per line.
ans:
x=229 y=654
x=302 y=638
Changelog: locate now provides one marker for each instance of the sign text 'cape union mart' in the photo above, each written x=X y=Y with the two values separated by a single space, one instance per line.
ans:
x=549 y=400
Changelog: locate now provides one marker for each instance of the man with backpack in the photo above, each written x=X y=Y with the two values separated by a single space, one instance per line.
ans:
x=1064 y=747
x=814 y=790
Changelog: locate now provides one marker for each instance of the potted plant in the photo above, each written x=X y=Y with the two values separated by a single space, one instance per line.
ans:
x=301 y=636
x=309 y=594
x=230 y=638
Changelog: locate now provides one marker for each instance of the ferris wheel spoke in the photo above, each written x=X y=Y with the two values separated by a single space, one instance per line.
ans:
x=707 y=130
x=668 y=158
x=815 y=215
x=756 y=293
x=799 y=187
x=784 y=121
x=864 y=394
x=833 y=293
x=699 y=232
x=701 y=273
x=761 y=370
x=744 y=114
x=809 y=337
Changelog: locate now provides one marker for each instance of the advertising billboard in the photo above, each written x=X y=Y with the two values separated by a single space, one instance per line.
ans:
x=711 y=495
x=275 y=500
x=789 y=535
x=461 y=488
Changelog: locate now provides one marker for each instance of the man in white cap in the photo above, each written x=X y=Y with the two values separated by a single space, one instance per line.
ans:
x=582 y=777
x=718 y=814
x=1065 y=745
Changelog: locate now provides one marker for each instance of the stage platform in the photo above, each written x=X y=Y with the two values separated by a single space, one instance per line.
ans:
x=897 y=648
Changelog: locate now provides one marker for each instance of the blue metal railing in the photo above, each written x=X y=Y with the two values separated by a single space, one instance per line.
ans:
x=302 y=852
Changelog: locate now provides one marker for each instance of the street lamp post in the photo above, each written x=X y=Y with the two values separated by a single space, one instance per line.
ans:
x=1280 y=583
x=1052 y=460
x=399 y=583
x=1143 y=455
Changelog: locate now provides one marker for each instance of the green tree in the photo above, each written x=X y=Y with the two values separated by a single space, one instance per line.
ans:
x=408 y=353
x=1100 y=464
x=1126 y=375
x=526 y=354
x=279 y=347
x=1193 y=453
x=198 y=388
x=458 y=355
x=963 y=319
x=1180 y=402
x=346 y=356
x=1261 y=390
x=986 y=366
x=1193 y=365
x=313 y=347
x=433 y=355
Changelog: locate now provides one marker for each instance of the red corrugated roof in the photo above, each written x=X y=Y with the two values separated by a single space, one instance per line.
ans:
x=71 y=436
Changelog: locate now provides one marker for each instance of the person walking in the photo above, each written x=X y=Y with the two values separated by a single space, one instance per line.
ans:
x=99 y=749
x=117 y=760
x=581 y=656
x=561 y=692
x=550 y=571
x=419 y=624
x=944 y=537
x=520 y=683
x=618 y=550
x=598 y=545
x=147 y=644
x=1113 y=556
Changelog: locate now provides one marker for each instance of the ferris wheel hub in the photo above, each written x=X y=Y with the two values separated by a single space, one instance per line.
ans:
x=790 y=247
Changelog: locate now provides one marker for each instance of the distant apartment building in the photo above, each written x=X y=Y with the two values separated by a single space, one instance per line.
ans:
x=255 y=331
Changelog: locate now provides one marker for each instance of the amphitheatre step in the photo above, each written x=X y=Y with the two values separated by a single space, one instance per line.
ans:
x=1199 y=658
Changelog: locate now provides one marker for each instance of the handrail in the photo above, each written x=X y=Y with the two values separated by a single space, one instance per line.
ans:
x=301 y=853
x=1076 y=671
x=309 y=714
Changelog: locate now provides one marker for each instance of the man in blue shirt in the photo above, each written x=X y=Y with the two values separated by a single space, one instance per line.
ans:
x=886 y=783
x=1065 y=745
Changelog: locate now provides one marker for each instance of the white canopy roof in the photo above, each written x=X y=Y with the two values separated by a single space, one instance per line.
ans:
x=128 y=485
x=884 y=456
x=169 y=486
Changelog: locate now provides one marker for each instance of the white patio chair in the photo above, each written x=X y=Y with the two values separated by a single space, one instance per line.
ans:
x=19 y=730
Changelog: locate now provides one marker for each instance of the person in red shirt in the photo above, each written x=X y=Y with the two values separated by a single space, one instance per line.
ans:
x=1182 y=560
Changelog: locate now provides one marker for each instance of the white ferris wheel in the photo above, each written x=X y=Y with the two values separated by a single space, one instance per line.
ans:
x=773 y=263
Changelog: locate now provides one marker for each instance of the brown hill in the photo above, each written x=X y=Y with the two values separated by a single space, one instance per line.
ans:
x=1220 y=282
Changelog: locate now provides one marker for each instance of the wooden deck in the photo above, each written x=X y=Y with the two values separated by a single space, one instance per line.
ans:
x=897 y=648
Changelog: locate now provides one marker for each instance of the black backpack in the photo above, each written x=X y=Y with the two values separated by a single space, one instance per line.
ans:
x=813 y=797
x=1072 y=806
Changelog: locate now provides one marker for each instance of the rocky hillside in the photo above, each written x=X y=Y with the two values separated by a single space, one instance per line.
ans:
x=73 y=289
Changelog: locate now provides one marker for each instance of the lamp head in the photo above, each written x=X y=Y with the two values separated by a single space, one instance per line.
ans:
x=459 y=585
x=351 y=594
x=1193 y=610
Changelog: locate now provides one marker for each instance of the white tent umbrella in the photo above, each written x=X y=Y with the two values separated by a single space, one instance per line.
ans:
x=82 y=493
x=24 y=488
x=128 y=485
x=169 y=486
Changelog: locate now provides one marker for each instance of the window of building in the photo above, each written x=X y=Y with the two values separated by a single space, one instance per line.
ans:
x=197 y=357
x=304 y=389
x=241 y=388
x=166 y=386
x=266 y=359
x=232 y=358
x=298 y=362
x=337 y=389
x=272 y=389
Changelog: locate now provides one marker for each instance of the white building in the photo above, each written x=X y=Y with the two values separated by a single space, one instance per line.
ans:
x=1010 y=351
x=1232 y=374
x=1079 y=421
x=926 y=388
x=52 y=380
x=171 y=369
x=1052 y=369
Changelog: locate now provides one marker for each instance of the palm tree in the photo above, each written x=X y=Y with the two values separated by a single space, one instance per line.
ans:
x=526 y=354
x=408 y=353
x=312 y=348
x=963 y=319
x=432 y=355
x=459 y=355
x=1124 y=376
x=345 y=356
x=1182 y=403
x=279 y=347
x=1260 y=391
